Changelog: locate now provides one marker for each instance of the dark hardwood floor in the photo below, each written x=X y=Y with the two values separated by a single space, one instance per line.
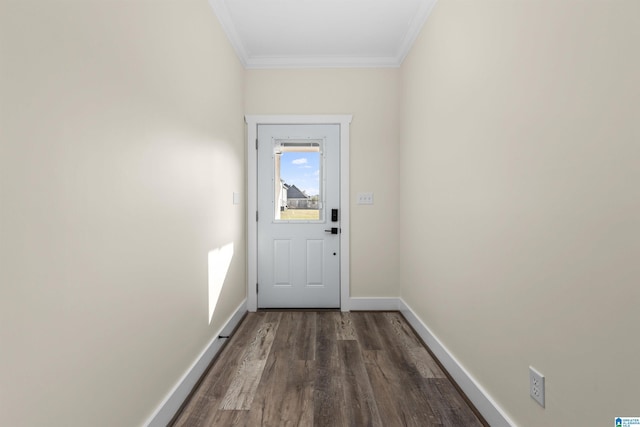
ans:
x=326 y=369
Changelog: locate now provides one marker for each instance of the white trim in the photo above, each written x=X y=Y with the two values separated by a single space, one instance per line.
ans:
x=481 y=399
x=373 y=304
x=345 y=245
x=252 y=196
x=267 y=62
x=176 y=397
x=415 y=27
x=229 y=28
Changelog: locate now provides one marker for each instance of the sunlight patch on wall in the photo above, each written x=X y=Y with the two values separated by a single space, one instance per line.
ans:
x=219 y=262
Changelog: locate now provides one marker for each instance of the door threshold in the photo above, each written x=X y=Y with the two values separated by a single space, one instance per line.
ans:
x=298 y=309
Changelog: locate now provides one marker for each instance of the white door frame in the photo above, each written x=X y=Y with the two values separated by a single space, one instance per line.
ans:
x=252 y=196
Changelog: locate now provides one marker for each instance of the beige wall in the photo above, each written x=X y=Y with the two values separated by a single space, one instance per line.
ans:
x=371 y=95
x=121 y=143
x=521 y=133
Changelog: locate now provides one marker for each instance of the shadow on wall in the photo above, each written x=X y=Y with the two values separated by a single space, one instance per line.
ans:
x=219 y=262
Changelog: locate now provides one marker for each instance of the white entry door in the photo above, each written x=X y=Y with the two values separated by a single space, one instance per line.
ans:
x=298 y=216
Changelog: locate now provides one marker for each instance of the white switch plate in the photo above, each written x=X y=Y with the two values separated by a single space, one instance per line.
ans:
x=365 y=198
x=236 y=198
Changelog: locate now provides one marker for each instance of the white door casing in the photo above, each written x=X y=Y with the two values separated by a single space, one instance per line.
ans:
x=253 y=121
x=298 y=252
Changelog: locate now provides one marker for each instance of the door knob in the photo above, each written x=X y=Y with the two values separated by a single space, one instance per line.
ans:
x=333 y=230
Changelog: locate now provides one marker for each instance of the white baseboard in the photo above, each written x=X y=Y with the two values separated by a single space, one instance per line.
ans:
x=373 y=304
x=171 y=404
x=489 y=409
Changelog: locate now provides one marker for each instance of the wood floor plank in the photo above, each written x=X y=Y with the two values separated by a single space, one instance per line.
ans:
x=414 y=349
x=245 y=382
x=261 y=344
x=244 y=385
x=409 y=380
x=228 y=418
x=296 y=335
x=402 y=330
x=358 y=394
x=386 y=399
x=366 y=330
x=328 y=403
x=282 y=341
x=344 y=327
x=299 y=394
x=290 y=397
x=425 y=364
x=268 y=389
x=447 y=403
x=305 y=340
x=399 y=389
x=400 y=348
x=302 y=338
x=285 y=393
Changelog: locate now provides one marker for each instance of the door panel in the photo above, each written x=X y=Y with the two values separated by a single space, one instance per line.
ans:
x=315 y=262
x=298 y=185
x=282 y=263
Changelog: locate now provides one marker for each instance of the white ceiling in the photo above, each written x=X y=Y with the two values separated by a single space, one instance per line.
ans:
x=322 y=33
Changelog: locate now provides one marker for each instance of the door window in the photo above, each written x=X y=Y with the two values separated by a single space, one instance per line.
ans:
x=298 y=181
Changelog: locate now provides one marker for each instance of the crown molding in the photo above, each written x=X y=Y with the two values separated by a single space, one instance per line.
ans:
x=271 y=62
x=221 y=11
x=321 y=62
x=415 y=27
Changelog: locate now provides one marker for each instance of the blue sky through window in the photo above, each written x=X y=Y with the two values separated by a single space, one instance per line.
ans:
x=301 y=169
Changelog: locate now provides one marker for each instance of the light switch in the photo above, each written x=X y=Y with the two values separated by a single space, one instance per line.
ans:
x=365 y=198
x=236 y=198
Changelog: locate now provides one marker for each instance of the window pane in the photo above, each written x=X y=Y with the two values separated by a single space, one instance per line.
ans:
x=297 y=181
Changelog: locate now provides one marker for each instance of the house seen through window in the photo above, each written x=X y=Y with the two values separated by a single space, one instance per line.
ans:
x=298 y=181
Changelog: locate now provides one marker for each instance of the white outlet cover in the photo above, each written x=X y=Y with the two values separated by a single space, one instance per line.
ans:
x=236 y=198
x=536 y=385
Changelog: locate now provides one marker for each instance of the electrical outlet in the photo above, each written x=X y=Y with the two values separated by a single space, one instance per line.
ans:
x=536 y=385
x=365 y=198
